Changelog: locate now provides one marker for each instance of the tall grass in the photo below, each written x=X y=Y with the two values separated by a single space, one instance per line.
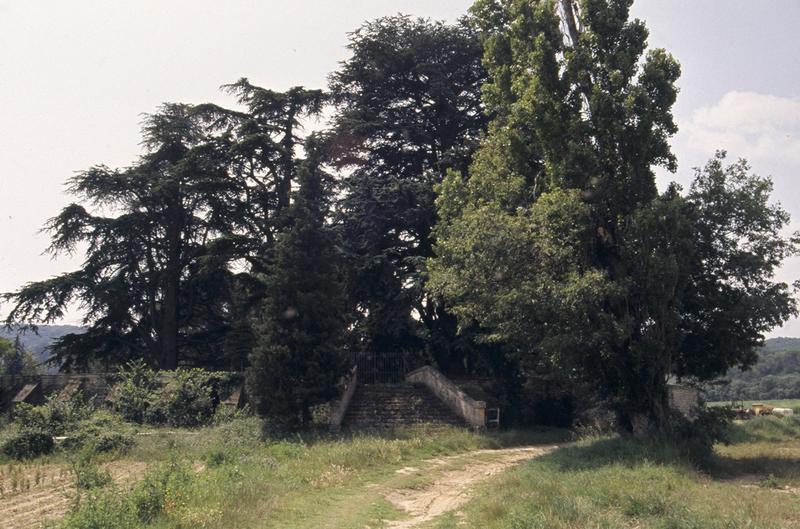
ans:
x=615 y=482
x=237 y=480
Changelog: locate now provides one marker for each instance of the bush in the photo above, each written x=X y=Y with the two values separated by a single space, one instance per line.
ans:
x=28 y=444
x=87 y=474
x=187 y=399
x=102 y=432
x=55 y=417
x=39 y=424
x=135 y=393
x=104 y=510
x=698 y=437
x=159 y=490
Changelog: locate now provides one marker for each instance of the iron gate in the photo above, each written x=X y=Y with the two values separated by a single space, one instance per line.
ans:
x=383 y=368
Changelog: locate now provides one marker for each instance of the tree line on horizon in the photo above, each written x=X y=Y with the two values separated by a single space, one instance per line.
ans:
x=483 y=198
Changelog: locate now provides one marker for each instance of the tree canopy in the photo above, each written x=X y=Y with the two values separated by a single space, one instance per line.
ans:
x=483 y=197
x=557 y=241
x=408 y=109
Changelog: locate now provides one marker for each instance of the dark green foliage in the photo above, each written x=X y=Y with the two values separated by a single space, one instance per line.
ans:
x=408 y=109
x=558 y=244
x=133 y=396
x=732 y=298
x=157 y=281
x=101 y=432
x=187 y=398
x=184 y=397
x=300 y=324
x=146 y=282
x=37 y=425
x=15 y=359
x=28 y=444
x=55 y=417
x=697 y=437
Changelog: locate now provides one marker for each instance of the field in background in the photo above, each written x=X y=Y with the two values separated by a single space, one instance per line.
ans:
x=780 y=403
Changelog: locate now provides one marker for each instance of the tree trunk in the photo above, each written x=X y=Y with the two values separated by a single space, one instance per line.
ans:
x=169 y=305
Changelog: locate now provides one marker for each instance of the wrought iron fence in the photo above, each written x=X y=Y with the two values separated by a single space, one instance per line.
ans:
x=383 y=368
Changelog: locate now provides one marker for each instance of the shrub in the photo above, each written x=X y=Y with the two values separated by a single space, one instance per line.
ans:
x=185 y=397
x=102 y=432
x=55 y=417
x=698 y=437
x=158 y=490
x=39 y=424
x=102 y=510
x=87 y=474
x=225 y=414
x=28 y=444
x=135 y=393
x=187 y=400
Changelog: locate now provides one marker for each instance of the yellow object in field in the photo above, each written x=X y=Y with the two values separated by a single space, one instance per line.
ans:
x=762 y=409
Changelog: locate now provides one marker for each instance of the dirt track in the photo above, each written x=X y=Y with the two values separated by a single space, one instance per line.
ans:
x=452 y=488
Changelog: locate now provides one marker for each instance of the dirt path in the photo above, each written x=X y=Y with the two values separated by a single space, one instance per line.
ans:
x=453 y=487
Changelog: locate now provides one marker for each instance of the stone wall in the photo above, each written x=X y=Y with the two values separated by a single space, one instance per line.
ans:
x=95 y=385
x=348 y=388
x=472 y=411
x=684 y=399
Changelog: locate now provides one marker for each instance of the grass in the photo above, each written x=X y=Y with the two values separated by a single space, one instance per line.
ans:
x=236 y=480
x=621 y=482
x=227 y=476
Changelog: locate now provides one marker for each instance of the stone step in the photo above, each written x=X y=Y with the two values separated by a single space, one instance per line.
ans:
x=391 y=405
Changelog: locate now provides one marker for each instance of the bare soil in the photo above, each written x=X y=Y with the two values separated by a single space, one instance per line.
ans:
x=31 y=494
x=452 y=488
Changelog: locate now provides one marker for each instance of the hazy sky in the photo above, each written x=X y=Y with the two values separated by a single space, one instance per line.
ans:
x=75 y=77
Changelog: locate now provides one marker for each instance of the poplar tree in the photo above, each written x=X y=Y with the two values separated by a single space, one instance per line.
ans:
x=558 y=242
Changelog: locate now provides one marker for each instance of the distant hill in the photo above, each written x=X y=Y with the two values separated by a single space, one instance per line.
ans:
x=775 y=376
x=37 y=343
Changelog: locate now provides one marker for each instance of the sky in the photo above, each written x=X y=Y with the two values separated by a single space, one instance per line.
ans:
x=75 y=78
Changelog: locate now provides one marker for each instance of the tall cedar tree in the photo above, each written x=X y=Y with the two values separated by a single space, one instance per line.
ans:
x=263 y=136
x=157 y=282
x=146 y=284
x=559 y=243
x=407 y=110
x=300 y=325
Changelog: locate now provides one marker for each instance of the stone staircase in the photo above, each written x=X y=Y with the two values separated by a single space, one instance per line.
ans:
x=386 y=406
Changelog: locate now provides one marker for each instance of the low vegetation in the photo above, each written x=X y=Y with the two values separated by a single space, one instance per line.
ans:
x=228 y=475
x=615 y=482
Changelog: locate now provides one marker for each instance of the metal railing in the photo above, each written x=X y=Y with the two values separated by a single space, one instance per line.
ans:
x=382 y=368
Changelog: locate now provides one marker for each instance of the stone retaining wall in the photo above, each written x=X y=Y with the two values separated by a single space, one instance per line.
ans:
x=471 y=410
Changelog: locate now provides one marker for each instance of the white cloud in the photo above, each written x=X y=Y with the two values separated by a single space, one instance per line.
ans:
x=765 y=129
x=748 y=124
